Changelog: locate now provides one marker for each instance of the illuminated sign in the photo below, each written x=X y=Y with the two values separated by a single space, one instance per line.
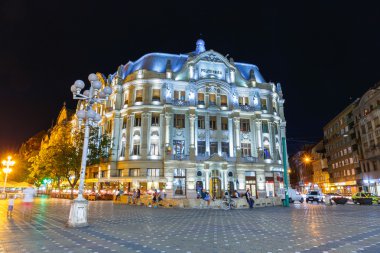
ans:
x=211 y=70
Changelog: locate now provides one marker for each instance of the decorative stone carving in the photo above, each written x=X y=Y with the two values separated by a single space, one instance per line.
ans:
x=211 y=58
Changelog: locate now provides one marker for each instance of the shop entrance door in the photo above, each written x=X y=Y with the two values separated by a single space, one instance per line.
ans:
x=215 y=188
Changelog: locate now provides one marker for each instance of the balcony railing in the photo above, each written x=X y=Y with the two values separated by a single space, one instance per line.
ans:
x=179 y=102
x=179 y=157
x=247 y=108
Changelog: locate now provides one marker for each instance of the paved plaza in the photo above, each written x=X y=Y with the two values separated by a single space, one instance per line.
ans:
x=121 y=228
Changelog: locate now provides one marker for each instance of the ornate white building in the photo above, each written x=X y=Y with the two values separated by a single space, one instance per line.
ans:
x=192 y=121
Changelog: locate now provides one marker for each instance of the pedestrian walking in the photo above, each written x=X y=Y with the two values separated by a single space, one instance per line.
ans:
x=118 y=193
x=249 y=198
x=206 y=197
x=134 y=196
x=11 y=203
x=27 y=202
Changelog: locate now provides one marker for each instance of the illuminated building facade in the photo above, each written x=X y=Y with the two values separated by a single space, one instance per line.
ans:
x=342 y=151
x=191 y=121
x=367 y=126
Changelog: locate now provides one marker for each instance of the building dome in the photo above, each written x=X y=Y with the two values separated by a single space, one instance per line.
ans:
x=200 y=46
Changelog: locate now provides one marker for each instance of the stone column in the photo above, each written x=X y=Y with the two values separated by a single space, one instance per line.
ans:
x=253 y=137
x=144 y=134
x=219 y=131
x=131 y=127
x=162 y=135
x=272 y=141
x=207 y=183
x=260 y=184
x=192 y=136
x=191 y=192
x=225 y=178
x=237 y=135
x=259 y=140
x=207 y=127
x=127 y=136
x=231 y=137
x=168 y=126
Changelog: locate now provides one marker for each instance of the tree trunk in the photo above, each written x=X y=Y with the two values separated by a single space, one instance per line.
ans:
x=59 y=186
x=72 y=192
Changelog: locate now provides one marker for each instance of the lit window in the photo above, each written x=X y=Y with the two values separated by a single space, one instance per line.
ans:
x=179 y=182
x=139 y=95
x=213 y=123
x=243 y=100
x=134 y=172
x=223 y=100
x=138 y=120
x=153 y=172
x=156 y=95
x=201 y=122
x=212 y=98
x=244 y=125
x=179 y=95
x=201 y=98
x=155 y=119
x=213 y=148
x=179 y=120
x=224 y=123
x=246 y=149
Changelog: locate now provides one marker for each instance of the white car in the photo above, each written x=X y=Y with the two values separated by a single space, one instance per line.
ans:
x=293 y=195
x=314 y=195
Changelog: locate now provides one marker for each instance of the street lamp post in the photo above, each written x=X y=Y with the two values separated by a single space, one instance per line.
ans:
x=7 y=163
x=79 y=206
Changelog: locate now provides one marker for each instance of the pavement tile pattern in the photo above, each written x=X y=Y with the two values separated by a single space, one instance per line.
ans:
x=305 y=228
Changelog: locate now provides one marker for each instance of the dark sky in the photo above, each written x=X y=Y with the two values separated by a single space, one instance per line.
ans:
x=322 y=54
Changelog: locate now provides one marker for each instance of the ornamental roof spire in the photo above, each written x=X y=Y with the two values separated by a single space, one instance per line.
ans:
x=200 y=46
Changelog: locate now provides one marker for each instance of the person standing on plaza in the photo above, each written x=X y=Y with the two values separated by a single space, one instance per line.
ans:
x=28 y=201
x=11 y=203
x=118 y=193
x=248 y=196
x=134 y=196
x=138 y=195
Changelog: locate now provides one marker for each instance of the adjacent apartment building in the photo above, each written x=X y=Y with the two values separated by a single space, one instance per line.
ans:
x=367 y=127
x=342 y=151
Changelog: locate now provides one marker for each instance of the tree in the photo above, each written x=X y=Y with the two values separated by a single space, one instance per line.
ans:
x=61 y=155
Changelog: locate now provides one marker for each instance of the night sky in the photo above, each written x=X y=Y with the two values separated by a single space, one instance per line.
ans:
x=323 y=54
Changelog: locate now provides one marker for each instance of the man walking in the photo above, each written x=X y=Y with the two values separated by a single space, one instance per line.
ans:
x=248 y=196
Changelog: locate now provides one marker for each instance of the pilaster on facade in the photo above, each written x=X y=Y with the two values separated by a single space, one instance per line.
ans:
x=237 y=136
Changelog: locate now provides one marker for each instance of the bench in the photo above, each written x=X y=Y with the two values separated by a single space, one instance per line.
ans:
x=91 y=198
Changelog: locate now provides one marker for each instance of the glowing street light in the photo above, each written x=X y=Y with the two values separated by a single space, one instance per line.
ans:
x=8 y=163
x=95 y=95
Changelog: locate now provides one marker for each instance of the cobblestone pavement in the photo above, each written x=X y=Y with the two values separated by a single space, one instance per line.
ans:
x=120 y=228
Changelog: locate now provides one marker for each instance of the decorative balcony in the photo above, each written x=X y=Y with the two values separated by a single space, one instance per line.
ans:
x=179 y=157
x=178 y=102
x=247 y=108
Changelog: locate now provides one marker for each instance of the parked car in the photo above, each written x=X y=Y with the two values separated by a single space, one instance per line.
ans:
x=293 y=195
x=314 y=195
x=358 y=195
x=328 y=196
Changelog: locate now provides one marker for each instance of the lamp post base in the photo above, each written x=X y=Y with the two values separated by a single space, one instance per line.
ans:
x=78 y=213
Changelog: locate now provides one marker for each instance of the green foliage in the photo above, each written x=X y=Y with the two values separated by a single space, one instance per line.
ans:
x=61 y=154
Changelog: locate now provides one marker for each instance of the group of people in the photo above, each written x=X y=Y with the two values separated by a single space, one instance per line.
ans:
x=133 y=197
x=205 y=195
